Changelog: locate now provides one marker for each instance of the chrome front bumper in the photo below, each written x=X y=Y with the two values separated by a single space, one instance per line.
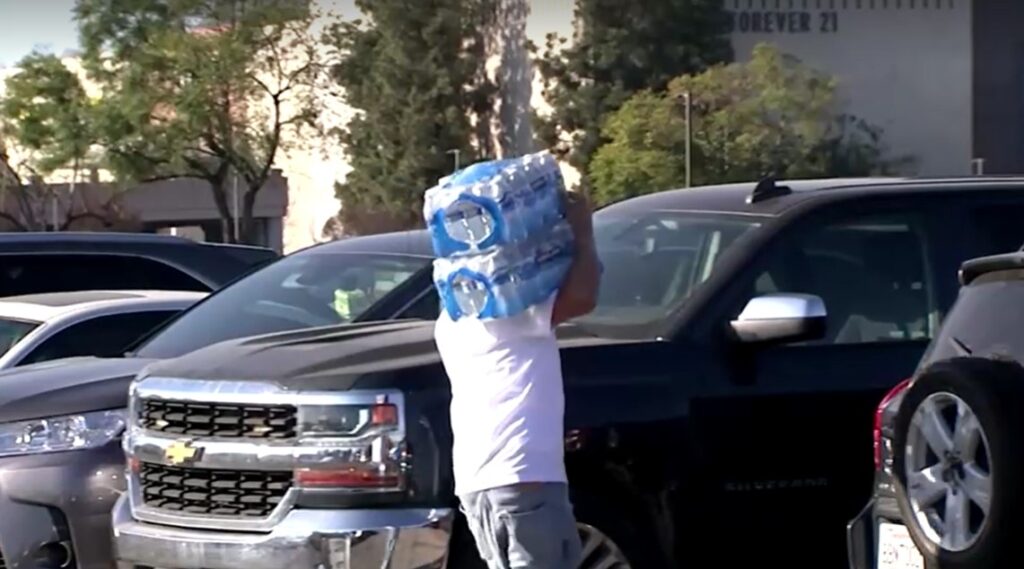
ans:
x=305 y=539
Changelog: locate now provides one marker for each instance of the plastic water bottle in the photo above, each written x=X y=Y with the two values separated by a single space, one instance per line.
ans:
x=500 y=236
x=507 y=280
x=492 y=204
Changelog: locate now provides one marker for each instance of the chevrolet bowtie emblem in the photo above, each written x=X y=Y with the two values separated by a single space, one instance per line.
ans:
x=182 y=452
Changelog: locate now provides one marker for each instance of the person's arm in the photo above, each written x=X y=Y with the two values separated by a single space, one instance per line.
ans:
x=578 y=294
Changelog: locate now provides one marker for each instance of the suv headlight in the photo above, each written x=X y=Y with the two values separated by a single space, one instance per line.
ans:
x=68 y=432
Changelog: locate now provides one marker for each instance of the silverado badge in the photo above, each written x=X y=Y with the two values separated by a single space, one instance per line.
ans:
x=182 y=453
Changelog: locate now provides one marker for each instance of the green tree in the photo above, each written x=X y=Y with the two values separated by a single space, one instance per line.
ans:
x=46 y=112
x=412 y=71
x=213 y=90
x=771 y=115
x=619 y=49
x=47 y=120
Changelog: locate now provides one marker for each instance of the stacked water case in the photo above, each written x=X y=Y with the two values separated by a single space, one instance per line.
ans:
x=500 y=236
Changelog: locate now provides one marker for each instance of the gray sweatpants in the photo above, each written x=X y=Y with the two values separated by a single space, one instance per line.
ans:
x=524 y=526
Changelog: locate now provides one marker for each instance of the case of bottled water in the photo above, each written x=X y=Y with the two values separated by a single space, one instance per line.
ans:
x=492 y=204
x=507 y=280
x=500 y=236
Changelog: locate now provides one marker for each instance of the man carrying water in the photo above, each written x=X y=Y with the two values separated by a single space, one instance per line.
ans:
x=507 y=415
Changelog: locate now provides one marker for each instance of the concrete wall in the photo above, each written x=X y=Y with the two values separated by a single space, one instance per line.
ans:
x=904 y=65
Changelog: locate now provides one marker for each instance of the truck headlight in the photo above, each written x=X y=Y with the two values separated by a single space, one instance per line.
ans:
x=55 y=434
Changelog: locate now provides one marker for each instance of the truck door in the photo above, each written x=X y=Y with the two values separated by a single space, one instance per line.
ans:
x=787 y=445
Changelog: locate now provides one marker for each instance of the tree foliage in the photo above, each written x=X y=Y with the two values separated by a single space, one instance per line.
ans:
x=412 y=72
x=47 y=122
x=204 y=89
x=619 y=49
x=771 y=115
x=47 y=114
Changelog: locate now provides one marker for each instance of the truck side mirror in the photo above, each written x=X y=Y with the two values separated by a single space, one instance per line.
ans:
x=781 y=318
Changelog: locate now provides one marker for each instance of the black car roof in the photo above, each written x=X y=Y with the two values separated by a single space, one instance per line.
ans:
x=212 y=264
x=80 y=236
x=733 y=198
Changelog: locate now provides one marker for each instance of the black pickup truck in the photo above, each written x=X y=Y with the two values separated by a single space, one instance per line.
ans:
x=719 y=398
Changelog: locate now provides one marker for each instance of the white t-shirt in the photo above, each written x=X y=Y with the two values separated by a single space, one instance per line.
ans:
x=508 y=404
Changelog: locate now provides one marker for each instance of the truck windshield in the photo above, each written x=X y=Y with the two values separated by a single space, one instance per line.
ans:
x=654 y=262
x=303 y=291
x=12 y=331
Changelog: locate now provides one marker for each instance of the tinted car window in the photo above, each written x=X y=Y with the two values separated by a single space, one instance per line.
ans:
x=12 y=331
x=997 y=228
x=985 y=321
x=653 y=263
x=871 y=272
x=427 y=307
x=302 y=291
x=30 y=274
x=103 y=336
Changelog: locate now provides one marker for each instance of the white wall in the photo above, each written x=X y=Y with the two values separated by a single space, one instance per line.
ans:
x=904 y=65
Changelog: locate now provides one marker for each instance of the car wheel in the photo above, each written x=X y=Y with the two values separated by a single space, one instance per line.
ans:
x=616 y=531
x=958 y=463
x=599 y=550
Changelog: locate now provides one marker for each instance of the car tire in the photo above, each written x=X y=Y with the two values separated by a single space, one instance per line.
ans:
x=941 y=503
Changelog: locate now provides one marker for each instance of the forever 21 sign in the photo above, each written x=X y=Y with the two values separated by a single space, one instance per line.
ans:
x=784 y=22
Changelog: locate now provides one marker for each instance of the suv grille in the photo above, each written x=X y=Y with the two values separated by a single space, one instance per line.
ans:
x=219 y=420
x=244 y=493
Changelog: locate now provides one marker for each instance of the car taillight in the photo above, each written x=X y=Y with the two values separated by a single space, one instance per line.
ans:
x=879 y=412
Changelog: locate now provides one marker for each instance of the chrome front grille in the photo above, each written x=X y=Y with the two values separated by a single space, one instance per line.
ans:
x=232 y=493
x=223 y=454
x=223 y=420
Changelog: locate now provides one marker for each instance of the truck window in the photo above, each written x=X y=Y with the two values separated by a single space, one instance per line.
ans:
x=39 y=273
x=103 y=336
x=654 y=263
x=996 y=228
x=427 y=307
x=871 y=272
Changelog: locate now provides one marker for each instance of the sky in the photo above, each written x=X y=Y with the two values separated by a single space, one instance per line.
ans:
x=44 y=24
x=48 y=25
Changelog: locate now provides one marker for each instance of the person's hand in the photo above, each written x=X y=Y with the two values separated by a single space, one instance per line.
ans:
x=579 y=214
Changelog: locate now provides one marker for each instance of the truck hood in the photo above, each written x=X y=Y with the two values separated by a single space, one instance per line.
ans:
x=331 y=357
x=66 y=386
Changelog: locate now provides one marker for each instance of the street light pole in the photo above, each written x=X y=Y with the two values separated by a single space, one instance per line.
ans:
x=458 y=154
x=689 y=134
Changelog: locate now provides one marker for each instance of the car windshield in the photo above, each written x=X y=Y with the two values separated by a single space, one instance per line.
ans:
x=302 y=291
x=12 y=331
x=653 y=263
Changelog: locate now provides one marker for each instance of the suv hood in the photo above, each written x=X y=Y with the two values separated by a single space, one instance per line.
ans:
x=66 y=386
x=328 y=358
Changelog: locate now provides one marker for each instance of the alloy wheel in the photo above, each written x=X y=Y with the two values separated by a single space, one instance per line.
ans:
x=949 y=481
x=599 y=551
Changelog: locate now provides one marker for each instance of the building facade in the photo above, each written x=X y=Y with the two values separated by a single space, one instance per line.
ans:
x=943 y=79
x=902 y=65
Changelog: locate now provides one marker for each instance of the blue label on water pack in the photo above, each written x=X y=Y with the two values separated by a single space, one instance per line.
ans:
x=506 y=281
x=492 y=204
